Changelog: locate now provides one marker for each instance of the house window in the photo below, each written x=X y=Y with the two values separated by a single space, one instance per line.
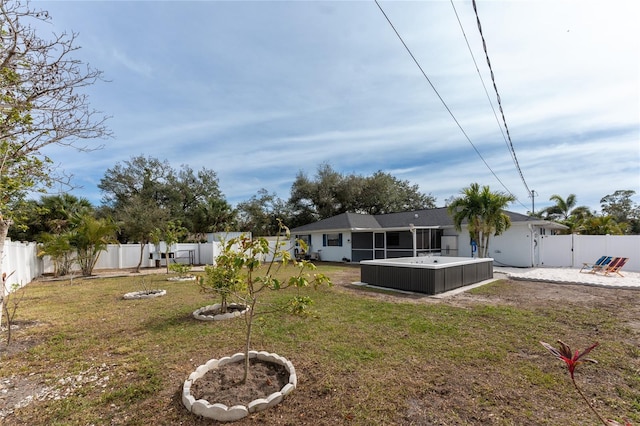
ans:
x=332 y=240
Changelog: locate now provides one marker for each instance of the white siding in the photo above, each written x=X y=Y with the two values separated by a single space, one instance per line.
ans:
x=331 y=253
x=512 y=248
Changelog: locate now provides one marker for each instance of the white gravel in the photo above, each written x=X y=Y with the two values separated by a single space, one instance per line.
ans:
x=573 y=276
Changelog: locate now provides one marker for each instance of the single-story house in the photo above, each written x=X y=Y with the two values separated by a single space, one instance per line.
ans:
x=354 y=237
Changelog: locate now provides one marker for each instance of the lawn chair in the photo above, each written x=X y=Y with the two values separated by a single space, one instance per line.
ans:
x=614 y=267
x=588 y=268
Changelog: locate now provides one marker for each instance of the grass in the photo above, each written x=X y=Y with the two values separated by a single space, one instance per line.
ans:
x=361 y=359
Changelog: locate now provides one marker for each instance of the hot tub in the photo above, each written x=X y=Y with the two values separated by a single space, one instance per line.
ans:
x=429 y=274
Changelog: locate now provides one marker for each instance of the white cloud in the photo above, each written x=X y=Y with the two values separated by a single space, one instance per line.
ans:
x=260 y=90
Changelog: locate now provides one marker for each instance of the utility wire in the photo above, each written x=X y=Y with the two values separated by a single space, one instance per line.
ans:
x=495 y=87
x=442 y=100
x=484 y=86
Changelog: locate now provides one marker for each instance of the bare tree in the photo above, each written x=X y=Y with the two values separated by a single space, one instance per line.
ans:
x=41 y=104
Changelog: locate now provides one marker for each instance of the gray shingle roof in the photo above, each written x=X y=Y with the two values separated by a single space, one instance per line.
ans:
x=341 y=222
x=438 y=217
x=429 y=217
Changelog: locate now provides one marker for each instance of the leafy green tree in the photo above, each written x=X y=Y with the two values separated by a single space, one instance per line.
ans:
x=90 y=237
x=194 y=193
x=383 y=193
x=143 y=177
x=261 y=214
x=483 y=212
x=623 y=210
x=27 y=222
x=211 y=215
x=600 y=225
x=332 y=193
x=192 y=198
x=52 y=214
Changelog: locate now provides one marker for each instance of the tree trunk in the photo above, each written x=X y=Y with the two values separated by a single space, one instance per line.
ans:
x=249 y=319
x=4 y=230
x=142 y=245
x=485 y=245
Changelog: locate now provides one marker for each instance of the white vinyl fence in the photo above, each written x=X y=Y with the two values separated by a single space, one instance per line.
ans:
x=571 y=251
x=21 y=260
x=21 y=263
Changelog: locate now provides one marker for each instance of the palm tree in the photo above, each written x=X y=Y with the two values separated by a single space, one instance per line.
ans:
x=564 y=209
x=483 y=211
x=565 y=212
x=600 y=225
x=90 y=237
x=58 y=247
x=60 y=210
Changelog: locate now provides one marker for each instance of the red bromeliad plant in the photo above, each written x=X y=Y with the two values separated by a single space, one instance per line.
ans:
x=572 y=360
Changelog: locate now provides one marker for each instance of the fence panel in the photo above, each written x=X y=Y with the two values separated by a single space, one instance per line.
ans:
x=555 y=250
x=20 y=262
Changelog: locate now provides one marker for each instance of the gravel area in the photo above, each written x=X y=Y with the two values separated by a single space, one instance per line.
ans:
x=574 y=276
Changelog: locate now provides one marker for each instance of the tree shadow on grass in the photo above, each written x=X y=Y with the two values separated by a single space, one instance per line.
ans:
x=169 y=321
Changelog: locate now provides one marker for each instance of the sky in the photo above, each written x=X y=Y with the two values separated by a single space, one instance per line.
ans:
x=260 y=91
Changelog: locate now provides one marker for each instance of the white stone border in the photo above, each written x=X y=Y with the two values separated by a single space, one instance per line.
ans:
x=186 y=278
x=197 y=314
x=144 y=294
x=223 y=413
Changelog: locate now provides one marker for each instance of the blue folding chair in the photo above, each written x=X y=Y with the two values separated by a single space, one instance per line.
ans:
x=592 y=268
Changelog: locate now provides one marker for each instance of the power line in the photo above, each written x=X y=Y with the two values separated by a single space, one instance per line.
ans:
x=443 y=102
x=495 y=87
x=484 y=86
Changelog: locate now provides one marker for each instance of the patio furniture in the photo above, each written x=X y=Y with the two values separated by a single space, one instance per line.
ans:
x=615 y=266
x=589 y=268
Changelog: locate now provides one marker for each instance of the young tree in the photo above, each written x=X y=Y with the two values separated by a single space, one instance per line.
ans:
x=41 y=104
x=138 y=219
x=59 y=248
x=483 y=211
x=225 y=277
x=258 y=264
x=90 y=237
x=170 y=233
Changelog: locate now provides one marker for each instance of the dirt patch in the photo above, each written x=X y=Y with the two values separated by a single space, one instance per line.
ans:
x=17 y=345
x=224 y=384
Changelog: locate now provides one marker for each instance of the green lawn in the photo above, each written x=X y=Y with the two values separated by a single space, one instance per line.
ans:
x=363 y=358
